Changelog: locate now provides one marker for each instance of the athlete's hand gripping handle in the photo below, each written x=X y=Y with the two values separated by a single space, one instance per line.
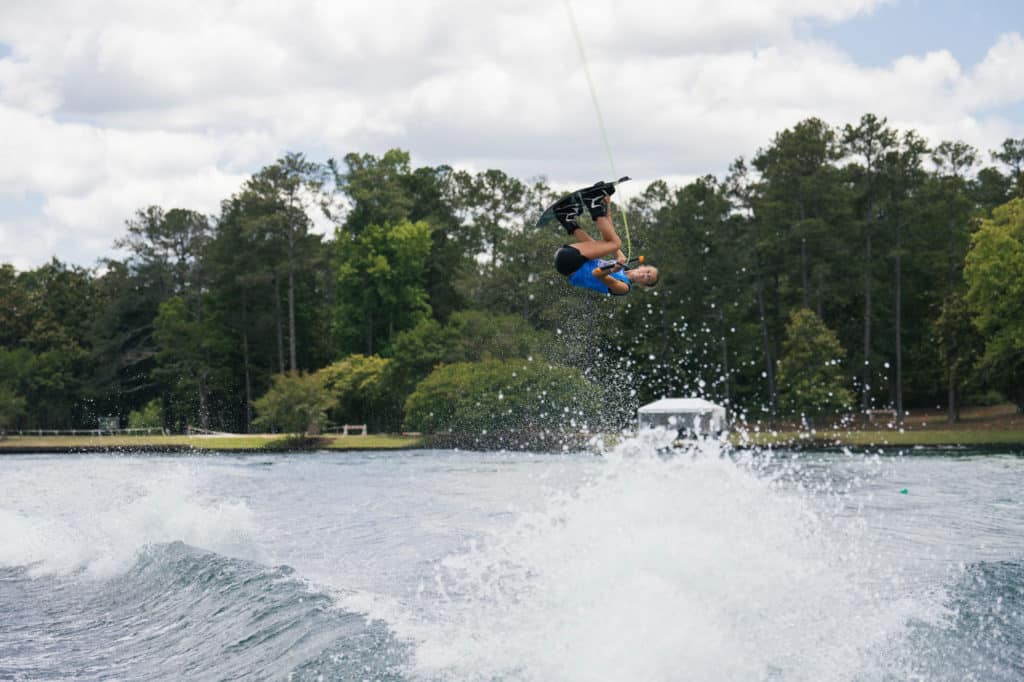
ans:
x=615 y=267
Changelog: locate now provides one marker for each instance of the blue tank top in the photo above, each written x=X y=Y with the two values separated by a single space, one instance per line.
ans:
x=584 y=277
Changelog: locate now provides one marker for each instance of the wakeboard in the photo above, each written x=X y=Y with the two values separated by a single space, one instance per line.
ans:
x=572 y=205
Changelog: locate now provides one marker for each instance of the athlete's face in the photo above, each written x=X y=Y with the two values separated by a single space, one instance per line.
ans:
x=645 y=274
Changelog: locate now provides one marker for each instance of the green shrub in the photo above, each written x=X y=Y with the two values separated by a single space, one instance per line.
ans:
x=359 y=390
x=501 y=398
x=151 y=416
x=12 y=406
x=812 y=381
x=295 y=403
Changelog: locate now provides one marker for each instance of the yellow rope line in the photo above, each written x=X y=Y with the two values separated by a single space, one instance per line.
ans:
x=600 y=118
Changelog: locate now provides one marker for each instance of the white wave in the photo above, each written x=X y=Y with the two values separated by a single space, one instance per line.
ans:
x=693 y=567
x=95 y=515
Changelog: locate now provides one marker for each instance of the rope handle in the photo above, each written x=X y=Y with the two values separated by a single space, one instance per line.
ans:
x=630 y=264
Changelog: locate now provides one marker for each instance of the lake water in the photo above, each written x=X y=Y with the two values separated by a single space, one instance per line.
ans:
x=447 y=565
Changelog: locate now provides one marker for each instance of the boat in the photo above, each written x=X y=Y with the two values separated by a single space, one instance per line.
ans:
x=691 y=418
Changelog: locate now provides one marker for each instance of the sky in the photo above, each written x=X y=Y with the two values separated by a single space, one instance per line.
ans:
x=109 y=106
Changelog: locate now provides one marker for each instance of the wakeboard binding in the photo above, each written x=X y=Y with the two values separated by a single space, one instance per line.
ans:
x=569 y=208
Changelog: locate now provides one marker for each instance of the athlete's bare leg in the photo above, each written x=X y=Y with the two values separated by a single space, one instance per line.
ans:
x=609 y=244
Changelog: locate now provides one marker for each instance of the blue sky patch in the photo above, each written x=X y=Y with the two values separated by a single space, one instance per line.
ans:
x=1013 y=112
x=915 y=27
x=21 y=206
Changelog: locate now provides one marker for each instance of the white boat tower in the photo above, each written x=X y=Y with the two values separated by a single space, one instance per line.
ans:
x=690 y=417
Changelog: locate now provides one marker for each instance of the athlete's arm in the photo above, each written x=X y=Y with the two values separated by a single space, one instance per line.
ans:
x=615 y=286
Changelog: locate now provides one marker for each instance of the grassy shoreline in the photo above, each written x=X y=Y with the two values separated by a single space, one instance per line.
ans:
x=201 y=443
x=990 y=426
x=832 y=439
x=277 y=443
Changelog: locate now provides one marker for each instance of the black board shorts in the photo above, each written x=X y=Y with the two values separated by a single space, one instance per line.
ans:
x=568 y=260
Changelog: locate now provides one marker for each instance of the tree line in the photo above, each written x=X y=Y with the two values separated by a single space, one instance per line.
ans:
x=836 y=270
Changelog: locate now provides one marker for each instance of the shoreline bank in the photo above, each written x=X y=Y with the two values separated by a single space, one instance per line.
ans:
x=197 y=444
x=268 y=444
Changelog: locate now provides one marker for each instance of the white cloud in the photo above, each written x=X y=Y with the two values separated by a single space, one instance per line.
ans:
x=999 y=78
x=110 y=106
x=27 y=243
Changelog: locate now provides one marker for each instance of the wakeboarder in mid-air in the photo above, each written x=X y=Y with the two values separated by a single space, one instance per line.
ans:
x=586 y=262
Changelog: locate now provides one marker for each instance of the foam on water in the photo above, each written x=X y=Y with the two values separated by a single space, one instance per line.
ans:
x=96 y=516
x=696 y=566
